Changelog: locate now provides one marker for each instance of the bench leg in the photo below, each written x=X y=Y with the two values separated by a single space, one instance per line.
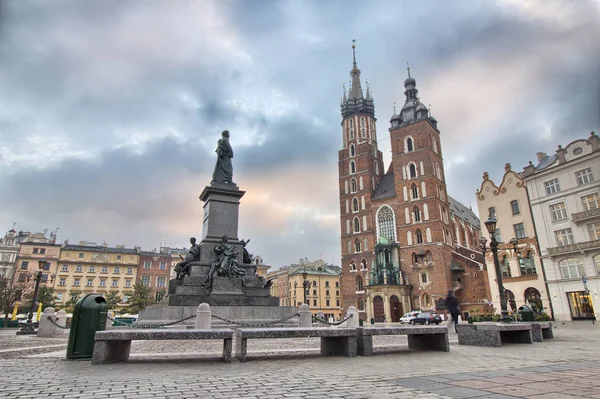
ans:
x=516 y=337
x=241 y=347
x=110 y=351
x=536 y=333
x=227 y=347
x=434 y=342
x=470 y=335
x=547 y=333
x=365 y=345
x=339 y=346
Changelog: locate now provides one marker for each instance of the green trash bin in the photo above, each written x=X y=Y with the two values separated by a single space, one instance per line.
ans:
x=89 y=316
x=526 y=313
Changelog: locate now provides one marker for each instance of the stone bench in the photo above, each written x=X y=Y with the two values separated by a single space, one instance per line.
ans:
x=334 y=341
x=494 y=334
x=419 y=338
x=115 y=345
x=541 y=330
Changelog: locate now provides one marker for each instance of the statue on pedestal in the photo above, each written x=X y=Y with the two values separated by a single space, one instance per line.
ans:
x=247 y=257
x=226 y=264
x=193 y=255
x=223 y=169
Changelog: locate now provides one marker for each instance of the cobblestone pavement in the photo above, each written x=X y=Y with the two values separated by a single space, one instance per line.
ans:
x=565 y=367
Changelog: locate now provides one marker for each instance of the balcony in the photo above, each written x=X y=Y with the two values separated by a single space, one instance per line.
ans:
x=423 y=265
x=585 y=215
x=574 y=248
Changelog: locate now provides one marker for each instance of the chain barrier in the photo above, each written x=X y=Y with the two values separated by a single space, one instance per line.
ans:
x=57 y=325
x=150 y=325
x=255 y=325
x=337 y=323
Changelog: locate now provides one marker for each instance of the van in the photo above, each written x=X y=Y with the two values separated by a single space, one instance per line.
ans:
x=408 y=317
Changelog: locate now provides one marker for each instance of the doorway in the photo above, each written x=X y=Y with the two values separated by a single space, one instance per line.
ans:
x=378 y=312
x=395 y=309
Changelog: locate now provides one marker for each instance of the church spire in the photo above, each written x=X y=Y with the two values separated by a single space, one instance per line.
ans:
x=356 y=89
x=356 y=102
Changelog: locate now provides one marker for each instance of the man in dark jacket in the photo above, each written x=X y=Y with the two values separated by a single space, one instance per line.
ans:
x=452 y=305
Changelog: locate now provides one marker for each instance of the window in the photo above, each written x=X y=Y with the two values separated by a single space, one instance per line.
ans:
x=356 y=225
x=359 y=283
x=515 y=207
x=357 y=245
x=362 y=128
x=130 y=270
x=127 y=283
x=315 y=292
x=22 y=278
x=104 y=269
x=76 y=283
x=591 y=201
x=102 y=283
x=116 y=270
x=81 y=255
x=424 y=278
x=314 y=302
x=505 y=266
x=558 y=211
x=352 y=150
x=353 y=187
x=352 y=265
x=419 y=236
x=594 y=230
x=597 y=263
x=145 y=280
x=119 y=257
x=354 y=204
x=413 y=170
x=564 y=237
x=352 y=167
x=417 y=214
x=162 y=266
x=337 y=284
x=24 y=265
x=326 y=283
x=147 y=265
x=59 y=297
x=62 y=282
x=65 y=268
x=492 y=213
x=35 y=250
x=552 y=186
x=92 y=269
x=161 y=281
x=326 y=292
x=90 y=282
x=115 y=283
x=337 y=293
x=337 y=302
x=519 y=230
x=46 y=265
x=78 y=269
x=363 y=264
x=42 y=250
x=498 y=235
x=584 y=176
x=571 y=268
x=409 y=144
x=125 y=298
x=385 y=223
x=414 y=191
x=526 y=264
x=327 y=302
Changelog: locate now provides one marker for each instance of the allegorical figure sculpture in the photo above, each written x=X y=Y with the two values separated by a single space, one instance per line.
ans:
x=246 y=256
x=182 y=268
x=223 y=169
x=226 y=264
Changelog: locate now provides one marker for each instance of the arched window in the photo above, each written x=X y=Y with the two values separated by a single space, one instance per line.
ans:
x=352 y=264
x=359 y=283
x=356 y=224
x=434 y=144
x=526 y=263
x=505 y=266
x=363 y=264
x=415 y=258
x=597 y=263
x=352 y=167
x=357 y=245
x=346 y=187
x=414 y=191
x=354 y=204
x=363 y=129
x=571 y=268
x=409 y=144
x=361 y=304
x=429 y=258
x=419 y=237
x=426 y=301
x=534 y=299
x=416 y=214
x=365 y=247
x=376 y=165
x=424 y=278
x=385 y=223
x=351 y=128
x=352 y=150
x=412 y=170
x=353 y=185
x=349 y=247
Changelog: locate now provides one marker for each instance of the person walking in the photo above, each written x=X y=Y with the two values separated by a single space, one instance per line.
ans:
x=452 y=305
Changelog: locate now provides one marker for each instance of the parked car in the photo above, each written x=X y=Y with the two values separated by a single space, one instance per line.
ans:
x=426 y=318
x=407 y=318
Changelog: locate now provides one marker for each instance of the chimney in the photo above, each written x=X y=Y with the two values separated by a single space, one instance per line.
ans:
x=541 y=156
x=529 y=169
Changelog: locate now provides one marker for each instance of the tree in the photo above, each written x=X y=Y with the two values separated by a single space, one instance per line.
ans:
x=45 y=297
x=112 y=299
x=142 y=296
x=74 y=296
x=11 y=291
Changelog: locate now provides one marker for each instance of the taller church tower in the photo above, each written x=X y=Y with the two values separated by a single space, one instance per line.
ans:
x=360 y=171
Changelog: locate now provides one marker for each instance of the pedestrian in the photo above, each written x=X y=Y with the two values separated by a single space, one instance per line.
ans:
x=384 y=320
x=452 y=306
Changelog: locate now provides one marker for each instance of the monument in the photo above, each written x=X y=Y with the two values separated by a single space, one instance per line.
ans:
x=218 y=271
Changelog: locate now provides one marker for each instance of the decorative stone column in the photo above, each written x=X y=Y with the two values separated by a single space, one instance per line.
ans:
x=386 y=307
x=203 y=317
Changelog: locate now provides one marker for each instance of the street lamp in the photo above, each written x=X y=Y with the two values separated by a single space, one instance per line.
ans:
x=305 y=284
x=491 y=228
x=28 y=328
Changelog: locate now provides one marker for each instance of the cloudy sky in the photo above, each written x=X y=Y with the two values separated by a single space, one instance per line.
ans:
x=110 y=110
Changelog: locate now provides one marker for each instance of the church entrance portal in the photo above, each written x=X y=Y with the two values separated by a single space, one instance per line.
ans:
x=395 y=309
x=378 y=312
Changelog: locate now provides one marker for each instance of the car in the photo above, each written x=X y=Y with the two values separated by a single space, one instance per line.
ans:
x=426 y=318
x=407 y=318
x=35 y=323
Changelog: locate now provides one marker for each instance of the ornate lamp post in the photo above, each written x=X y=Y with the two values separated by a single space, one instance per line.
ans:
x=305 y=284
x=491 y=228
x=29 y=328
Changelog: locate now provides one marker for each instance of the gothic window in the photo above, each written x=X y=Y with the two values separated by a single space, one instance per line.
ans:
x=352 y=150
x=365 y=248
x=347 y=226
x=346 y=187
x=409 y=144
x=351 y=128
x=413 y=170
x=361 y=185
x=414 y=191
x=385 y=223
x=424 y=278
x=357 y=245
x=505 y=266
x=363 y=129
x=419 y=236
x=434 y=144
x=363 y=264
x=352 y=167
x=417 y=214
x=376 y=167
x=428 y=257
x=428 y=234
x=352 y=264
x=354 y=205
x=359 y=283
x=415 y=259
x=353 y=185
x=361 y=304
x=356 y=225
x=349 y=247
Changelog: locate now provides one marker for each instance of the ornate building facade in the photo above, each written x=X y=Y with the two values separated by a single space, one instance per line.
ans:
x=9 y=248
x=398 y=228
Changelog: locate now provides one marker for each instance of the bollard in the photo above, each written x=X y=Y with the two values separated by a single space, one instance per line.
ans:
x=46 y=328
x=203 y=315
x=305 y=319
x=109 y=320
x=61 y=320
x=353 y=321
x=321 y=315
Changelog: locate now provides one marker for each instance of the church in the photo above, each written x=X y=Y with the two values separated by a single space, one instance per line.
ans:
x=404 y=241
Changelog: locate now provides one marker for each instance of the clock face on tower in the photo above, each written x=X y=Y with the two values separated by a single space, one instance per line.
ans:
x=408 y=115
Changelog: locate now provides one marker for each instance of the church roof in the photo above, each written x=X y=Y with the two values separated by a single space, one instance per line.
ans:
x=463 y=212
x=385 y=188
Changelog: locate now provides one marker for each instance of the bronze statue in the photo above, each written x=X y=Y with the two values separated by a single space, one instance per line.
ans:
x=226 y=264
x=223 y=169
x=193 y=255
x=246 y=256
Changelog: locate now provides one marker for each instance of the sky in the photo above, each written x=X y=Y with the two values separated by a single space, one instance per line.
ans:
x=110 y=110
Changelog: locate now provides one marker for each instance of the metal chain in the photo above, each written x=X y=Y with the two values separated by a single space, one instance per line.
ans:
x=337 y=323
x=255 y=325
x=150 y=325
x=57 y=325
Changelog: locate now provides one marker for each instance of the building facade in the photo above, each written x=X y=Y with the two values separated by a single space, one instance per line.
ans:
x=9 y=249
x=397 y=229
x=521 y=265
x=564 y=193
x=154 y=271
x=88 y=268
x=34 y=248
